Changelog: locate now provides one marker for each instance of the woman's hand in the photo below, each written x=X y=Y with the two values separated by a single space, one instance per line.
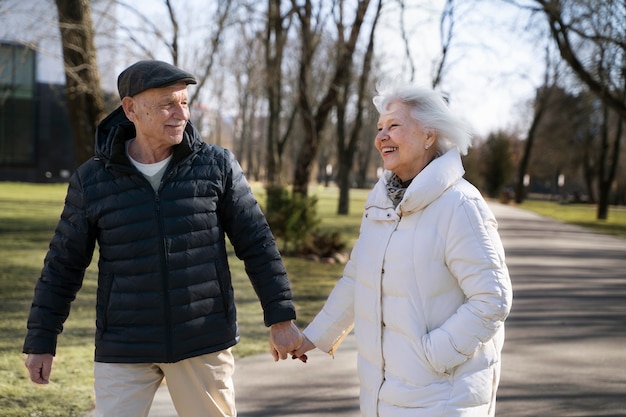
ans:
x=300 y=352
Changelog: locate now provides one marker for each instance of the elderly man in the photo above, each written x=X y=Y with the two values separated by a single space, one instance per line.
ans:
x=159 y=202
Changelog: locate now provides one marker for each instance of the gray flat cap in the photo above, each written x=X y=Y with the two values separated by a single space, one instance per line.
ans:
x=144 y=75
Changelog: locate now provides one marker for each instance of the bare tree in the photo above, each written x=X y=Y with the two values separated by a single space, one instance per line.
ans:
x=346 y=152
x=207 y=55
x=84 y=95
x=276 y=36
x=583 y=29
x=540 y=106
x=446 y=33
x=405 y=39
x=314 y=119
x=591 y=37
x=250 y=91
x=201 y=56
x=608 y=161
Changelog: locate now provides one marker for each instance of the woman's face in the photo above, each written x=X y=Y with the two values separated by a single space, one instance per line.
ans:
x=403 y=143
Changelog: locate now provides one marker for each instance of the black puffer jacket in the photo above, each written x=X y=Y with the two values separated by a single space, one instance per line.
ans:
x=164 y=284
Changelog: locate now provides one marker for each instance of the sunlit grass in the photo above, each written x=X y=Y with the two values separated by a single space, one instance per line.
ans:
x=582 y=215
x=28 y=214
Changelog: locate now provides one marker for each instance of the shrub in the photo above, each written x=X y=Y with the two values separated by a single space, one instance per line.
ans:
x=323 y=244
x=292 y=218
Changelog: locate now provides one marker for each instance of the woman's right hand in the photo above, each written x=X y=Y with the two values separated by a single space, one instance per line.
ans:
x=300 y=352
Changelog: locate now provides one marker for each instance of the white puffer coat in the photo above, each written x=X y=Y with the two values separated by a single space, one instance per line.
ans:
x=428 y=291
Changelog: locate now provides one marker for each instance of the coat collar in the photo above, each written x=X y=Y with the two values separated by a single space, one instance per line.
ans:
x=116 y=129
x=427 y=186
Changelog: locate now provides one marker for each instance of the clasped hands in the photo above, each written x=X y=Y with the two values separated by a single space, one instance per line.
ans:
x=286 y=339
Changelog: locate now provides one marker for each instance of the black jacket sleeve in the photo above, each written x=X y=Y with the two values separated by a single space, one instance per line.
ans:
x=252 y=239
x=69 y=254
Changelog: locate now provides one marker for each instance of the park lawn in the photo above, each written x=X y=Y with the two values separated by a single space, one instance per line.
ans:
x=582 y=215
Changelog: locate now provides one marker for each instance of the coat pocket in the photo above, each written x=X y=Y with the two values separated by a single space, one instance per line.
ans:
x=105 y=283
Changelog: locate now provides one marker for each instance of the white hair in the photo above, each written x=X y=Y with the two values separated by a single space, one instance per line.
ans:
x=430 y=109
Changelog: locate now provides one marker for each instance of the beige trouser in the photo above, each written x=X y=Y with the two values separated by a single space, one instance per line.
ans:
x=199 y=387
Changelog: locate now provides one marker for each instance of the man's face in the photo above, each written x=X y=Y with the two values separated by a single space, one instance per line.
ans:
x=159 y=114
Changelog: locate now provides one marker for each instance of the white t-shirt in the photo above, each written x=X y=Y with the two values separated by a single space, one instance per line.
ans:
x=152 y=172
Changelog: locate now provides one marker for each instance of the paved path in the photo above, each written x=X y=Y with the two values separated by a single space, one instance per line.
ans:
x=565 y=352
x=565 y=349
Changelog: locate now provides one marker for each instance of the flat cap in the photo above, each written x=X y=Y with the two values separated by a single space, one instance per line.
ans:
x=144 y=75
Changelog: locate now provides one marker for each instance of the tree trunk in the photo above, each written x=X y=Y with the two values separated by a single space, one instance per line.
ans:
x=275 y=38
x=606 y=175
x=343 y=180
x=540 y=107
x=85 y=101
x=347 y=154
x=313 y=122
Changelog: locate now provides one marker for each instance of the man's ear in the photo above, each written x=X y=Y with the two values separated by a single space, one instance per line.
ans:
x=129 y=106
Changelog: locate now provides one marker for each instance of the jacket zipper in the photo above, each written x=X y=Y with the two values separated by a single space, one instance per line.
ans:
x=164 y=279
x=382 y=271
x=167 y=314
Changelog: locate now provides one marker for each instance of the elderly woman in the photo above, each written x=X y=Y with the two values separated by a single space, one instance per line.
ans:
x=426 y=288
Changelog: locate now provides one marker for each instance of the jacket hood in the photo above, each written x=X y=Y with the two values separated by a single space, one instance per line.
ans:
x=115 y=129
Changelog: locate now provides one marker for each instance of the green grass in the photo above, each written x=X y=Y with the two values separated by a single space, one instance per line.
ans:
x=582 y=215
x=28 y=215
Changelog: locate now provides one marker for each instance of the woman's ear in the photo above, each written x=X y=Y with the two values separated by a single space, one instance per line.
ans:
x=431 y=136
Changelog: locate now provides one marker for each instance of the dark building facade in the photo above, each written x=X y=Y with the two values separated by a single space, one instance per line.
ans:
x=35 y=137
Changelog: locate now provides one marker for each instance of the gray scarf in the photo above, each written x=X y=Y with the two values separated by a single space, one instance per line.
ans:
x=396 y=188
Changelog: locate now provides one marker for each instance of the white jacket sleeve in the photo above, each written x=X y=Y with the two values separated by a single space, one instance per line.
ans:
x=336 y=319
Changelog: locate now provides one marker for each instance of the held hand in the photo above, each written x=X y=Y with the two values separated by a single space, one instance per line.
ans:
x=284 y=338
x=300 y=353
x=39 y=367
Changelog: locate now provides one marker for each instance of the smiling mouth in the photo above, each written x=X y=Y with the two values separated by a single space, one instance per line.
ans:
x=389 y=149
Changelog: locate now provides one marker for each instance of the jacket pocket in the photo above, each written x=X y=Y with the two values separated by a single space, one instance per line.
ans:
x=105 y=285
x=221 y=272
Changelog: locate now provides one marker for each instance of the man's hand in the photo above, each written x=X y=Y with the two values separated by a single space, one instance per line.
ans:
x=39 y=367
x=284 y=338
